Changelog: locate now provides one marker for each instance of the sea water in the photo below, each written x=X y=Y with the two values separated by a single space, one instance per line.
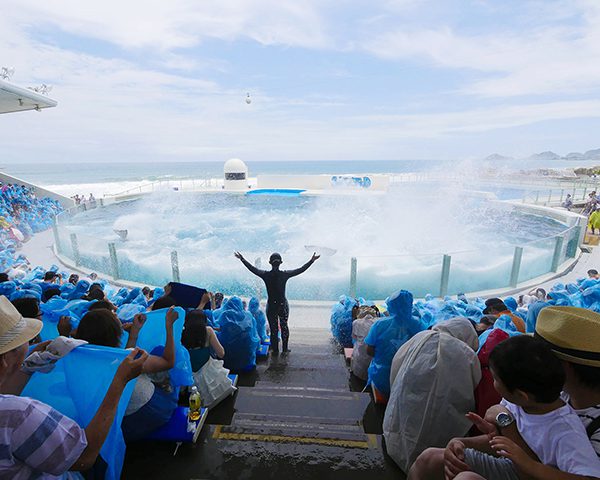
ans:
x=398 y=240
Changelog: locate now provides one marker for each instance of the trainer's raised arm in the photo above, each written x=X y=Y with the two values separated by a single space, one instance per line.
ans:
x=248 y=265
x=305 y=267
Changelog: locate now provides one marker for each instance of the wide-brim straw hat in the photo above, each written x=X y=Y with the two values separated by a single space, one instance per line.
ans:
x=15 y=330
x=572 y=333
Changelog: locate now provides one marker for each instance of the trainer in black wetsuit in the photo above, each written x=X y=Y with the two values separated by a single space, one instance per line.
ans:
x=277 y=304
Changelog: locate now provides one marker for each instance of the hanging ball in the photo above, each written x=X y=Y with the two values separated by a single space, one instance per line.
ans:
x=248 y=99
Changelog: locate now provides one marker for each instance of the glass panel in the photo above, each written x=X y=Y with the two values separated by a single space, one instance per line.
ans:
x=475 y=271
x=537 y=259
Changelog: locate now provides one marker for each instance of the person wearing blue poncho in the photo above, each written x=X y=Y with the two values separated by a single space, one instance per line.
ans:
x=387 y=336
x=153 y=400
x=238 y=336
x=260 y=320
x=37 y=440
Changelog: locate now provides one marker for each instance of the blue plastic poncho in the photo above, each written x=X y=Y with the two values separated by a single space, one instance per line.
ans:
x=79 y=291
x=238 y=336
x=388 y=335
x=76 y=388
x=341 y=321
x=532 y=313
x=505 y=323
x=153 y=334
x=260 y=320
x=127 y=311
x=7 y=288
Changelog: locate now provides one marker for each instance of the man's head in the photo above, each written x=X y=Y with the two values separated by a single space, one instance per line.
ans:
x=3 y=277
x=275 y=260
x=73 y=278
x=15 y=333
x=494 y=306
x=50 y=276
x=49 y=293
x=593 y=273
x=573 y=334
x=526 y=371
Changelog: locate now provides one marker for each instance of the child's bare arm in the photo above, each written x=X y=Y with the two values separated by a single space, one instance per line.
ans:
x=528 y=468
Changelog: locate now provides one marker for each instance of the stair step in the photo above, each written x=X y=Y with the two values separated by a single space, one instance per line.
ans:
x=272 y=429
x=265 y=385
x=333 y=405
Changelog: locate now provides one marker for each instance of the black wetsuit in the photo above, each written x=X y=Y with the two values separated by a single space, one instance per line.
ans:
x=277 y=305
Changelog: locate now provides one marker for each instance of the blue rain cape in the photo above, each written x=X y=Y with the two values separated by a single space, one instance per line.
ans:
x=126 y=312
x=505 y=323
x=79 y=291
x=76 y=388
x=388 y=335
x=153 y=334
x=341 y=321
x=532 y=313
x=260 y=320
x=238 y=336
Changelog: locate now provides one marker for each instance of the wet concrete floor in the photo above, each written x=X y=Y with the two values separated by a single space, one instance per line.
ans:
x=298 y=416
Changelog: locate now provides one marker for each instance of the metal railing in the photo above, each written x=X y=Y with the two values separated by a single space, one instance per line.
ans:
x=187 y=185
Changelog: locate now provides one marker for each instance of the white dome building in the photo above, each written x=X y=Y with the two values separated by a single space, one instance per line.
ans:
x=235 y=175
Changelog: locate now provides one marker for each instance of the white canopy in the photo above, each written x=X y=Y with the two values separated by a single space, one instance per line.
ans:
x=16 y=99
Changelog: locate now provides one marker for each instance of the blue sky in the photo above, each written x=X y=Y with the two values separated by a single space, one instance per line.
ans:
x=329 y=80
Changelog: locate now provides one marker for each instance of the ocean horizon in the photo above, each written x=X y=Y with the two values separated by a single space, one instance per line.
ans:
x=114 y=177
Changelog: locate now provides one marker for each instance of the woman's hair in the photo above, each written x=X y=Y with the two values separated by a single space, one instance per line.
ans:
x=194 y=330
x=100 y=327
x=163 y=302
x=102 y=304
x=95 y=294
x=27 y=306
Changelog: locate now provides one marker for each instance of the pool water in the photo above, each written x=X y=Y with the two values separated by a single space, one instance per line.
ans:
x=398 y=240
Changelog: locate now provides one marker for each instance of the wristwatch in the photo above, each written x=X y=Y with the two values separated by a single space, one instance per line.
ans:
x=504 y=419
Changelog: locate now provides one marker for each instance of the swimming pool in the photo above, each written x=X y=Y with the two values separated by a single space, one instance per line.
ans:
x=398 y=240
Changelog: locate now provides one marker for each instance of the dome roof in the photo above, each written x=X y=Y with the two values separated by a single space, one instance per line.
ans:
x=235 y=165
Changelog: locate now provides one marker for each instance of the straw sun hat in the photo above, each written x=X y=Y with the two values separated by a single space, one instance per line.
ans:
x=15 y=330
x=572 y=333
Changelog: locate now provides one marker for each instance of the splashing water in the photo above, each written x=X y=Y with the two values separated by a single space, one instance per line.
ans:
x=398 y=239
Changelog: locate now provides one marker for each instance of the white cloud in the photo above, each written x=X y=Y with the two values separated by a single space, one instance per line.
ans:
x=166 y=25
x=556 y=58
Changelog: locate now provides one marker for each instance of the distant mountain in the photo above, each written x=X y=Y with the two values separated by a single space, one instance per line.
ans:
x=549 y=156
x=496 y=157
x=545 y=156
x=592 y=154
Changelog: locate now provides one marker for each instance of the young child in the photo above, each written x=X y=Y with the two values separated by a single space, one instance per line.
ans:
x=530 y=379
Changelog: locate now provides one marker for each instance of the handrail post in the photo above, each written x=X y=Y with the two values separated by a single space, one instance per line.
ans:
x=114 y=261
x=56 y=236
x=516 y=266
x=550 y=197
x=562 y=194
x=175 y=266
x=558 y=246
x=576 y=240
x=445 y=279
x=353 y=272
x=537 y=196
x=75 y=247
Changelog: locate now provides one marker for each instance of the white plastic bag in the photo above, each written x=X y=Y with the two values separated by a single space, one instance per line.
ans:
x=213 y=383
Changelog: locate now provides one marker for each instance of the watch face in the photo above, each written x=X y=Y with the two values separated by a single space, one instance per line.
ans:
x=504 y=419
